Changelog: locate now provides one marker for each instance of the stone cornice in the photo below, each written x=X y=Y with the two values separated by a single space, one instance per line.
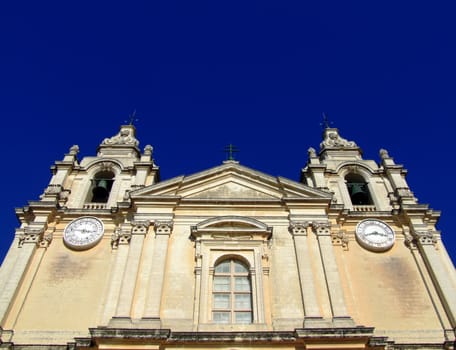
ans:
x=360 y=335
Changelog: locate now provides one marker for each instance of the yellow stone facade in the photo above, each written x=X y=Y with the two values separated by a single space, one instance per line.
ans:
x=227 y=258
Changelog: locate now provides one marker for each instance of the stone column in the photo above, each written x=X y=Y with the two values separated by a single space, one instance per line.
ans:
x=157 y=272
x=309 y=297
x=333 y=283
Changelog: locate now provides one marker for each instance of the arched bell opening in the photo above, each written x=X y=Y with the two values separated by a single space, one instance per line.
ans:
x=358 y=190
x=101 y=186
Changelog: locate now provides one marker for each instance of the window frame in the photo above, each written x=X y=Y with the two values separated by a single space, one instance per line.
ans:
x=233 y=310
x=225 y=237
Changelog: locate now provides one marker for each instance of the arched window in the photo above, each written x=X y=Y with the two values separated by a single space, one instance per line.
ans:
x=101 y=186
x=232 y=293
x=358 y=190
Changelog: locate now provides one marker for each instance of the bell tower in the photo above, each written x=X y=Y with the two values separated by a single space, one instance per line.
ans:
x=119 y=167
x=357 y=184
x=378 y=221
x=80 y=192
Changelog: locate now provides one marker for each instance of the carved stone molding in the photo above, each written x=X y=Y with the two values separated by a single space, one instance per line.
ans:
x=45 y=240
x=334 y=140
x=340 y=239
x=106 y=166
x=120 y=237
x=53 y=189
x=124 y=137
x=228 y=237
x=410 y=241
x=163 y=227
x=403 y=192
x=299 y=228
x=56 y=191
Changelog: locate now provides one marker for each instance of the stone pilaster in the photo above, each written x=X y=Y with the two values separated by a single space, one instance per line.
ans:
x=28 y=239
x=333 y=282
x=426 y=243
x=138 y=232
x=127 y=243
x=163 y=231
x=299 y=231
x=120 y=243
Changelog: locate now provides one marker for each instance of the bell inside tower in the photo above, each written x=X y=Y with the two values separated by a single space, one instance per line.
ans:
x=358 y=190
x=101 y=186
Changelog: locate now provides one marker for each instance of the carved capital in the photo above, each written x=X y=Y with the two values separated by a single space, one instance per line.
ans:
x=299 y=228
x=140 y=227
x=322 y=228
x=120 y=237
x=163 y=227
x=426 y=238
x=45 y=240
x=31 y=235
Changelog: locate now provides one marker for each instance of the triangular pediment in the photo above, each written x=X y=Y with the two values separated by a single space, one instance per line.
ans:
x=233 y=188
x=231 y=181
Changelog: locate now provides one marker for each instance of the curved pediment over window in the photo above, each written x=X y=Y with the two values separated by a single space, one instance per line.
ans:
x=231 y=227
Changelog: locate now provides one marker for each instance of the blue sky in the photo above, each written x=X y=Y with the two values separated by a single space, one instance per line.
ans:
x=202 y=75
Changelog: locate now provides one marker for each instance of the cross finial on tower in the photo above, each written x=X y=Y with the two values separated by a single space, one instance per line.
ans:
x=230 y=149
x=132 y=118
x=326 y=123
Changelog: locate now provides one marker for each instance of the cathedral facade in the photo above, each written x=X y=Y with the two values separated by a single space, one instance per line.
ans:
x=112 y=257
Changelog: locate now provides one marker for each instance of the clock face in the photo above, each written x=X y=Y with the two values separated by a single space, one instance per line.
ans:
x=375 y=235
x=83 y=233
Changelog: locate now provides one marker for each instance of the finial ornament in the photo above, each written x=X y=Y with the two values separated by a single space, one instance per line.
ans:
x=126 y=136
x=332 y=139
x=74 y=150
x=384 y=153
x=311 y=152
x=148 y=150
x=230 y=149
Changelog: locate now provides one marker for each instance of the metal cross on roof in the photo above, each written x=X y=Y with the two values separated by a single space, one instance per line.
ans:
x=326 y=123
x=230 y=149
x=132 y=118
